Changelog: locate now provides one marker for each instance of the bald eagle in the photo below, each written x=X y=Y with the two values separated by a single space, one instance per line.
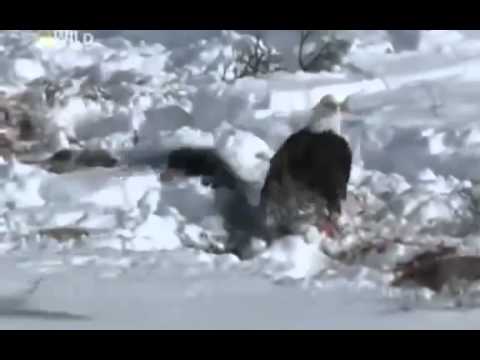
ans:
x=306 y=182
x=309 y=174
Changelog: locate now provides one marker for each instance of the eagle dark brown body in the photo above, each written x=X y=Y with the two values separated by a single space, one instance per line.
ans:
x=320 y=163
x=308 y=176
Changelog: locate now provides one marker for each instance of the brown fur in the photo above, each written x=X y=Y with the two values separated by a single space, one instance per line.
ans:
x=437 y=273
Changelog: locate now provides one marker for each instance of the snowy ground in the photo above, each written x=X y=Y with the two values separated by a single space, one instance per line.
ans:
x=416 y=140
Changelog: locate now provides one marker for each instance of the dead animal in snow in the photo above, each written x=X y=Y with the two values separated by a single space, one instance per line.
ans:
x=440 y=273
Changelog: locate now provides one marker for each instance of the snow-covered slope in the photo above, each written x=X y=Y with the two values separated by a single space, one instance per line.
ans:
x=415 y=141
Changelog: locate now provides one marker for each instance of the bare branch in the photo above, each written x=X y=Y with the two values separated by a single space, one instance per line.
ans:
x=304 y=35
x=436 y=103
x=256 y=59
x=329 y=54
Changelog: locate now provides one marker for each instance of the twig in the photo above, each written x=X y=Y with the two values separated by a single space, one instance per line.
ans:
x=326 y=52
x=304 y=35
x=436 y=103
x=253 y=61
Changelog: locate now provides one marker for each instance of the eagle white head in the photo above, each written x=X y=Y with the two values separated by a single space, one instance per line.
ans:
x=326 y=115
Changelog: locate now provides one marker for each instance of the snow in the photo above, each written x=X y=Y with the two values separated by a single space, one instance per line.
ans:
x=28 y=70
x=146 y=262
x=244 y=151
